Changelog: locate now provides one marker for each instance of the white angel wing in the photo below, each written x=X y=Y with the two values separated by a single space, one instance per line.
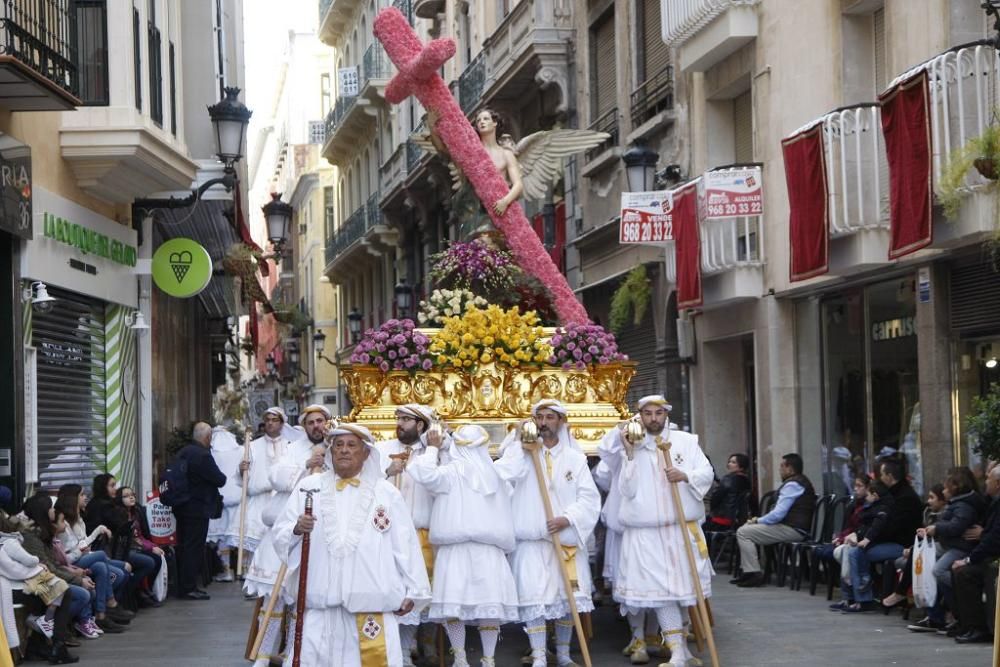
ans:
x=541 y=156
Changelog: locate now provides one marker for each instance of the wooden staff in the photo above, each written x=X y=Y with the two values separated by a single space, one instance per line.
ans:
x=701 y=609
x=243 y=504
x=300 y=602
x=529 y=435
x=279 y=580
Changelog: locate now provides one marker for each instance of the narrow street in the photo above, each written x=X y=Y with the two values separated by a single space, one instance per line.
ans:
x=754 y=628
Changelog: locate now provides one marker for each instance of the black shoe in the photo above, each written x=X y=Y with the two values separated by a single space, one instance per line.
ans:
x=951 y=630
x=59 y=655
x=740 y=578
x=120 y=616
x=109 y=626
x=196 y=595
x=925 y=625
x=752 y=580
x=201 y=590
x=860 y=607
x=975 y=637
x=840 y=606
x=70 y=642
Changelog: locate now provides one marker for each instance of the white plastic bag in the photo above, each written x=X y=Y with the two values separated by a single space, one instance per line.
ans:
x=924 y=584
x=160 y=583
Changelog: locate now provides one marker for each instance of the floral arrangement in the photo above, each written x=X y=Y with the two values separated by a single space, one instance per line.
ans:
x=475 y=266
x=490 y=334
x=444 y=303
x=397 y=345
x=418 y=65
x=580 y=345
x=631 y=298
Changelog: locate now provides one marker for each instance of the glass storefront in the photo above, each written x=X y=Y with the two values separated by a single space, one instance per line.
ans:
x=870 y=390
x=976 y=366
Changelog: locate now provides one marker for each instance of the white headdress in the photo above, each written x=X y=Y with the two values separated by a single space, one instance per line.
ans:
x=654 y=399
x=223 y=440
x=422 y=412
x=373 y=464
x=317 y=408
x=549 y=404
x=471 y=449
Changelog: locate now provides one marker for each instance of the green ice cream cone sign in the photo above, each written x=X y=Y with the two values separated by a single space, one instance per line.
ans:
x=182 y=267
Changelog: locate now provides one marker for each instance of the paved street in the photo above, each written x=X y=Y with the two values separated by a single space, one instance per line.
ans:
x=756 y=627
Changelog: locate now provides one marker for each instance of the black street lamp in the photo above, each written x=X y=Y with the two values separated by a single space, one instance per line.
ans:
x=319 y=344
x=640 y=167
x=277 y=214
x=230 y=118
x=404 y=297
x=354 y=319
x=293 y=352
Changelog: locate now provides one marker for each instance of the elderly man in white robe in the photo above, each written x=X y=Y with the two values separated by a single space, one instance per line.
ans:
x=283 y=474
x=472 y=532
x=576 y=505
x=365 y=566
x=412 y=422
x=653 y=571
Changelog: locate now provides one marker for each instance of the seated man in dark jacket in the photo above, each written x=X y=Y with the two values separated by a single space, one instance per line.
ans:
x=734 y=489
x=905 y=517
x=970 y=574
x=204 y=481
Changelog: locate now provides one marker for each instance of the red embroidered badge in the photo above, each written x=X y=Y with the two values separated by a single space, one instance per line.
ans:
x=381 y=519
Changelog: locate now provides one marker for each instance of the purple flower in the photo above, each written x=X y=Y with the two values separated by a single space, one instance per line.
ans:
x=593 y=349
x=409 y=362
x=562 y=354
x=399 y=339
x=384 y=366
x=570 y=346
x=553 y=360
x=577 y=354
x=603 y=360
x=377 y=361
x=426 y=365
x=581 y=366
x=392 y=354
x=365 y=358
x=403 y=351
x=588 y=358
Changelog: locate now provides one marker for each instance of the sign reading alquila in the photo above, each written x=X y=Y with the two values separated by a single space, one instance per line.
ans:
x=87 y=240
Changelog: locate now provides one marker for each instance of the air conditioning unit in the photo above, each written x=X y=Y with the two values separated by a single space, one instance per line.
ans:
x=685 y=337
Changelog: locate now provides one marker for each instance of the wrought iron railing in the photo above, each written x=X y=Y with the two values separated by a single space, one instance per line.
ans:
x=470 y=83
x=414 y=153
x=375 y=65
x=335 y=118
x=606 y=123
x=41 y=34
x=654 y=95
x=395 y=169
x=373 y=215
x=404 y=6
x=352 y=230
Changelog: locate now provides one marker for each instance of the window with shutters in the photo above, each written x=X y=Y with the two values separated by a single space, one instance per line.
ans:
x=879 y=54
x=743 y=128
x=604 y=88
x=655 y=90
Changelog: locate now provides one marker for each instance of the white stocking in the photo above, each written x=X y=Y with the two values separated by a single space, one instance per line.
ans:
x=636 y=622
x=271 y=643
x=536 y=638
x=456 y=634
x=489 y=633
x=564 y=634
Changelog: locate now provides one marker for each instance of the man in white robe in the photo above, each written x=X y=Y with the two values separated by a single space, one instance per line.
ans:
x=365 y=566
x=576 y=505
x=227 y=453
x=472 y=533
x=412 y=422
x=283 y=474
x=653 y=571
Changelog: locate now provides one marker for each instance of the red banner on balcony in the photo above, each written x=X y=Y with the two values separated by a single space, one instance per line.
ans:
x=907 y=131
x=809 y=216
x=687 y=248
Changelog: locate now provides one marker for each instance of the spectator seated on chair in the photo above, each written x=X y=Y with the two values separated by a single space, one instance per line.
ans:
x=724 y=509
x=904 y=564
x=904 y=519
x=971 y=574
x=789 y=521
x=872 y=524
x=825 y=552
x=965 y=509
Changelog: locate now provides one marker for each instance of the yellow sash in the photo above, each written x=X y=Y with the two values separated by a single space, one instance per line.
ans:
x=427 y=549
x=698 y=537
x=569 y=557
x=371 y=640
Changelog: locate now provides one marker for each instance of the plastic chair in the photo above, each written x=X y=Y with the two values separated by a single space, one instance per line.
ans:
x=798 y=553
x=838 y=513
x=728 y=537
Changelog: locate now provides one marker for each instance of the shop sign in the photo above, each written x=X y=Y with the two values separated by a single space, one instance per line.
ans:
x=733 y=193
x=900 y=327
x=924 y=285
x=647 y=217
x=182 y=267
x=347 y=80
x=15 y=191
x=88 y=241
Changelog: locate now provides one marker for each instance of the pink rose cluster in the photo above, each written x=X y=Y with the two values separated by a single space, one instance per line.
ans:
x=397 y=345
x=581 y=345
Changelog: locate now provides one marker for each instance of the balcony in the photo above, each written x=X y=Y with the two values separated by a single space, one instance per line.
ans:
x=705 y=32
x=653 y=96
x=335 y=19
x=428 y=9
x=471 y=82
x=529 y=50
x=363 y=238
x=393 y=173
x=38 y=68
x=352 y=119
x=608 y=151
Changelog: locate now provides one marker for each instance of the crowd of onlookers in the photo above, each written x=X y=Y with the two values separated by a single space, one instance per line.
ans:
x=80 y=564
x=879 y=545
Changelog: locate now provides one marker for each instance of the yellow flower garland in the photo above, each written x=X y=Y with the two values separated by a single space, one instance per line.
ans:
x=491 y=334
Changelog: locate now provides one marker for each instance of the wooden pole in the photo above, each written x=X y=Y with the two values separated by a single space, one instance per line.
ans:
x=701 y=609
x=253 y=631
x=300 y=603
x=557 y=545
x=243 y=506
x=279 y=581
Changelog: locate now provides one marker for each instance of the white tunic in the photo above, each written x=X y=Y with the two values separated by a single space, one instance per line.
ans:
x=264 y=452
x=363 y=558
x=283 y=476
x=417 y=497
x=226 y=529
x=653 y=569
x=606 y=476
x=571 y=490
x=472 y=532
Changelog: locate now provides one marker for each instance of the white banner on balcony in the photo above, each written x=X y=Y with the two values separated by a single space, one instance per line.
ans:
x=647 y=217
x=347 y=82
x=732 y=193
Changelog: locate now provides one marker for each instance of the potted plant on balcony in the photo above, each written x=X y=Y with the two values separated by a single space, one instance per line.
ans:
x=981 y=153
x=631 y=298
x=984 y=423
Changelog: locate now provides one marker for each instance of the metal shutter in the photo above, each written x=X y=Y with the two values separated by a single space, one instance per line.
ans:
x=71 y=390
x=604 y=65
x=975 y=298
x=743 y=128
x=639 y=343
x=656 y=55
x=878 y=43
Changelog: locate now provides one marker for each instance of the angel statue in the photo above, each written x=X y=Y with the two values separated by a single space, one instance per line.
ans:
x=530 y=167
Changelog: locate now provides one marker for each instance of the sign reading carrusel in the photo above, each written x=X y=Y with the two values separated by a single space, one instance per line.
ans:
x=733 y=193
x=647 y=217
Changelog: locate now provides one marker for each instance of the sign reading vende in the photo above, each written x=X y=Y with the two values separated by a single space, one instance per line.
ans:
x=647 y=217
x=732 y=193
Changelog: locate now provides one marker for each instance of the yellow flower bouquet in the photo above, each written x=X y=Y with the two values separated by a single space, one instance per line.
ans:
x=490 y=334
